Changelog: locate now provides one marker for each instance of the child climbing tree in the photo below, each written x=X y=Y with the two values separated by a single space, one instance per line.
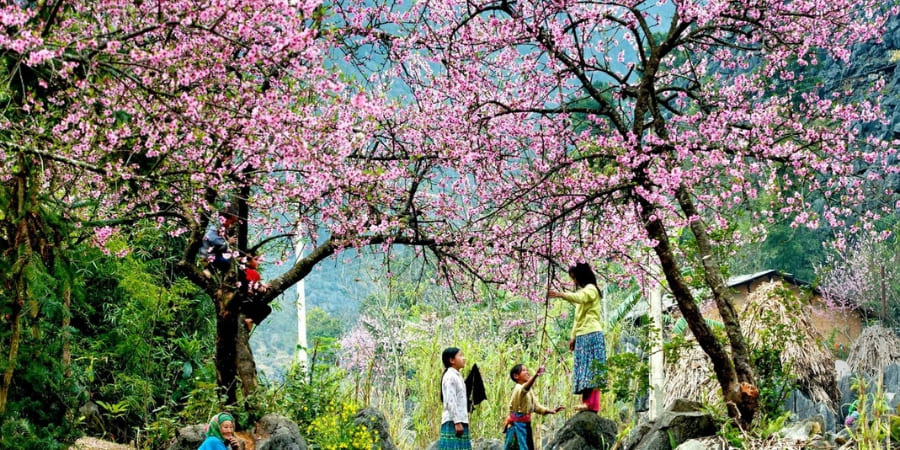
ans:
x=171 y=111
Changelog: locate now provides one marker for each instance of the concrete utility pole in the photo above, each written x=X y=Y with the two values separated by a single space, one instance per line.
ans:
x=302 y=344
x=657 y=357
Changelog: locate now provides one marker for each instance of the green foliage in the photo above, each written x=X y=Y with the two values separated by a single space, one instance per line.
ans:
x=765 y=427
x=335 y=429
x=146 y=334
x=768 y=426
x=627 y=376
x=316 y=399
x=673 y=348
x=322 y=332
x=794 y=250
x=18 y=432
x=322 y=324
x=159 y=432
x=773 y=380
x=681 y=325
x=202 y=401
x=115 y=411
x=876 y=425
x=36 y=282
x=304 y=396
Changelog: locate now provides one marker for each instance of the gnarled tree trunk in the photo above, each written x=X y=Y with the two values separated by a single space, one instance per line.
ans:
x=741 y=406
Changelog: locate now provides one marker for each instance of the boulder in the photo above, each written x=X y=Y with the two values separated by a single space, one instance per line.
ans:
x=707 y=443
x=374 y=420
x=803 y=431
x=890 y=383
x=847 y=395
x=891 y=386
x=90 y=443
x=584 y=431
x=189 y=437
x=683 y=405
x=802 y=408
x=279 y=433
x=683 y=421
x=841 y=368
x=891 y=379
x=487 y=444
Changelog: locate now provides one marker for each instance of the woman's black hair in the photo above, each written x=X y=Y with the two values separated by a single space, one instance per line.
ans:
x=517 y=369
x=448 y=354
x=583 y=275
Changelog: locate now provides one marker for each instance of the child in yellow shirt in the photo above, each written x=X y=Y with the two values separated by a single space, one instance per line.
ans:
x=521 y=404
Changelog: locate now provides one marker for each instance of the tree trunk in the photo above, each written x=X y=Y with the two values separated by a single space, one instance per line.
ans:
x=23 y=257
x=740 y=353
x=246 y=365
x=234 y=358
x=226 y=346
x=66 y=334
x=723 y=366
x=11 y=360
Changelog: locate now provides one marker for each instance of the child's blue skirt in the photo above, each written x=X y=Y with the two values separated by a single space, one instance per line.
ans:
x=590 y=362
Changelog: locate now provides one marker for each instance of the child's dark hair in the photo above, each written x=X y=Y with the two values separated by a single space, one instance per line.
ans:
x=448 y=354
x=583 y=275
x=517 y=369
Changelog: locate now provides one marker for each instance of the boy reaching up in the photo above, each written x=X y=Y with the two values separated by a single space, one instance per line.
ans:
x=521 y=404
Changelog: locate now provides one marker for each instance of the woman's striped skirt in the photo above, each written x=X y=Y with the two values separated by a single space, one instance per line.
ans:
x=590 y=362
x=449 y=441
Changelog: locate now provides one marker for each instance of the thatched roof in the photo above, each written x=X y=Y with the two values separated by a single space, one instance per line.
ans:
x=691 y=376
x=875 y=348
x=804 y=350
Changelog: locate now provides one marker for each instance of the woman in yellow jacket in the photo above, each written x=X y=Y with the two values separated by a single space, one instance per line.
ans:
x=587 y=336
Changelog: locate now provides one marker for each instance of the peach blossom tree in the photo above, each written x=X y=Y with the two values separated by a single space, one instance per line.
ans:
x=585 y=130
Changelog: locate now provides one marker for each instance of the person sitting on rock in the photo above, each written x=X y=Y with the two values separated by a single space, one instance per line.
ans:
x=220 y=434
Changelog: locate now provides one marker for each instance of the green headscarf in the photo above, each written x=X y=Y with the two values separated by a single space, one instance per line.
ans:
x=214 y=427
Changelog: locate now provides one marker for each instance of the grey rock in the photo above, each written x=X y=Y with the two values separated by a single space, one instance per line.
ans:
x=673 y=427
x=802 y=409
x=841 y=368
x=189 y=437
x=843 y=437
x=636 y=435
x=893 y=400
x=280 y=433
x=803 y=431
x=684 y=405
x=374 y=420
x=585 y=431
x=891 y=379
x=487 y=444
x=847 y=394
x=709 y=443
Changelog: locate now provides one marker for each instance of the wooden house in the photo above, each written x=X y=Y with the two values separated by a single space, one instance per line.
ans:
x=841 y=328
